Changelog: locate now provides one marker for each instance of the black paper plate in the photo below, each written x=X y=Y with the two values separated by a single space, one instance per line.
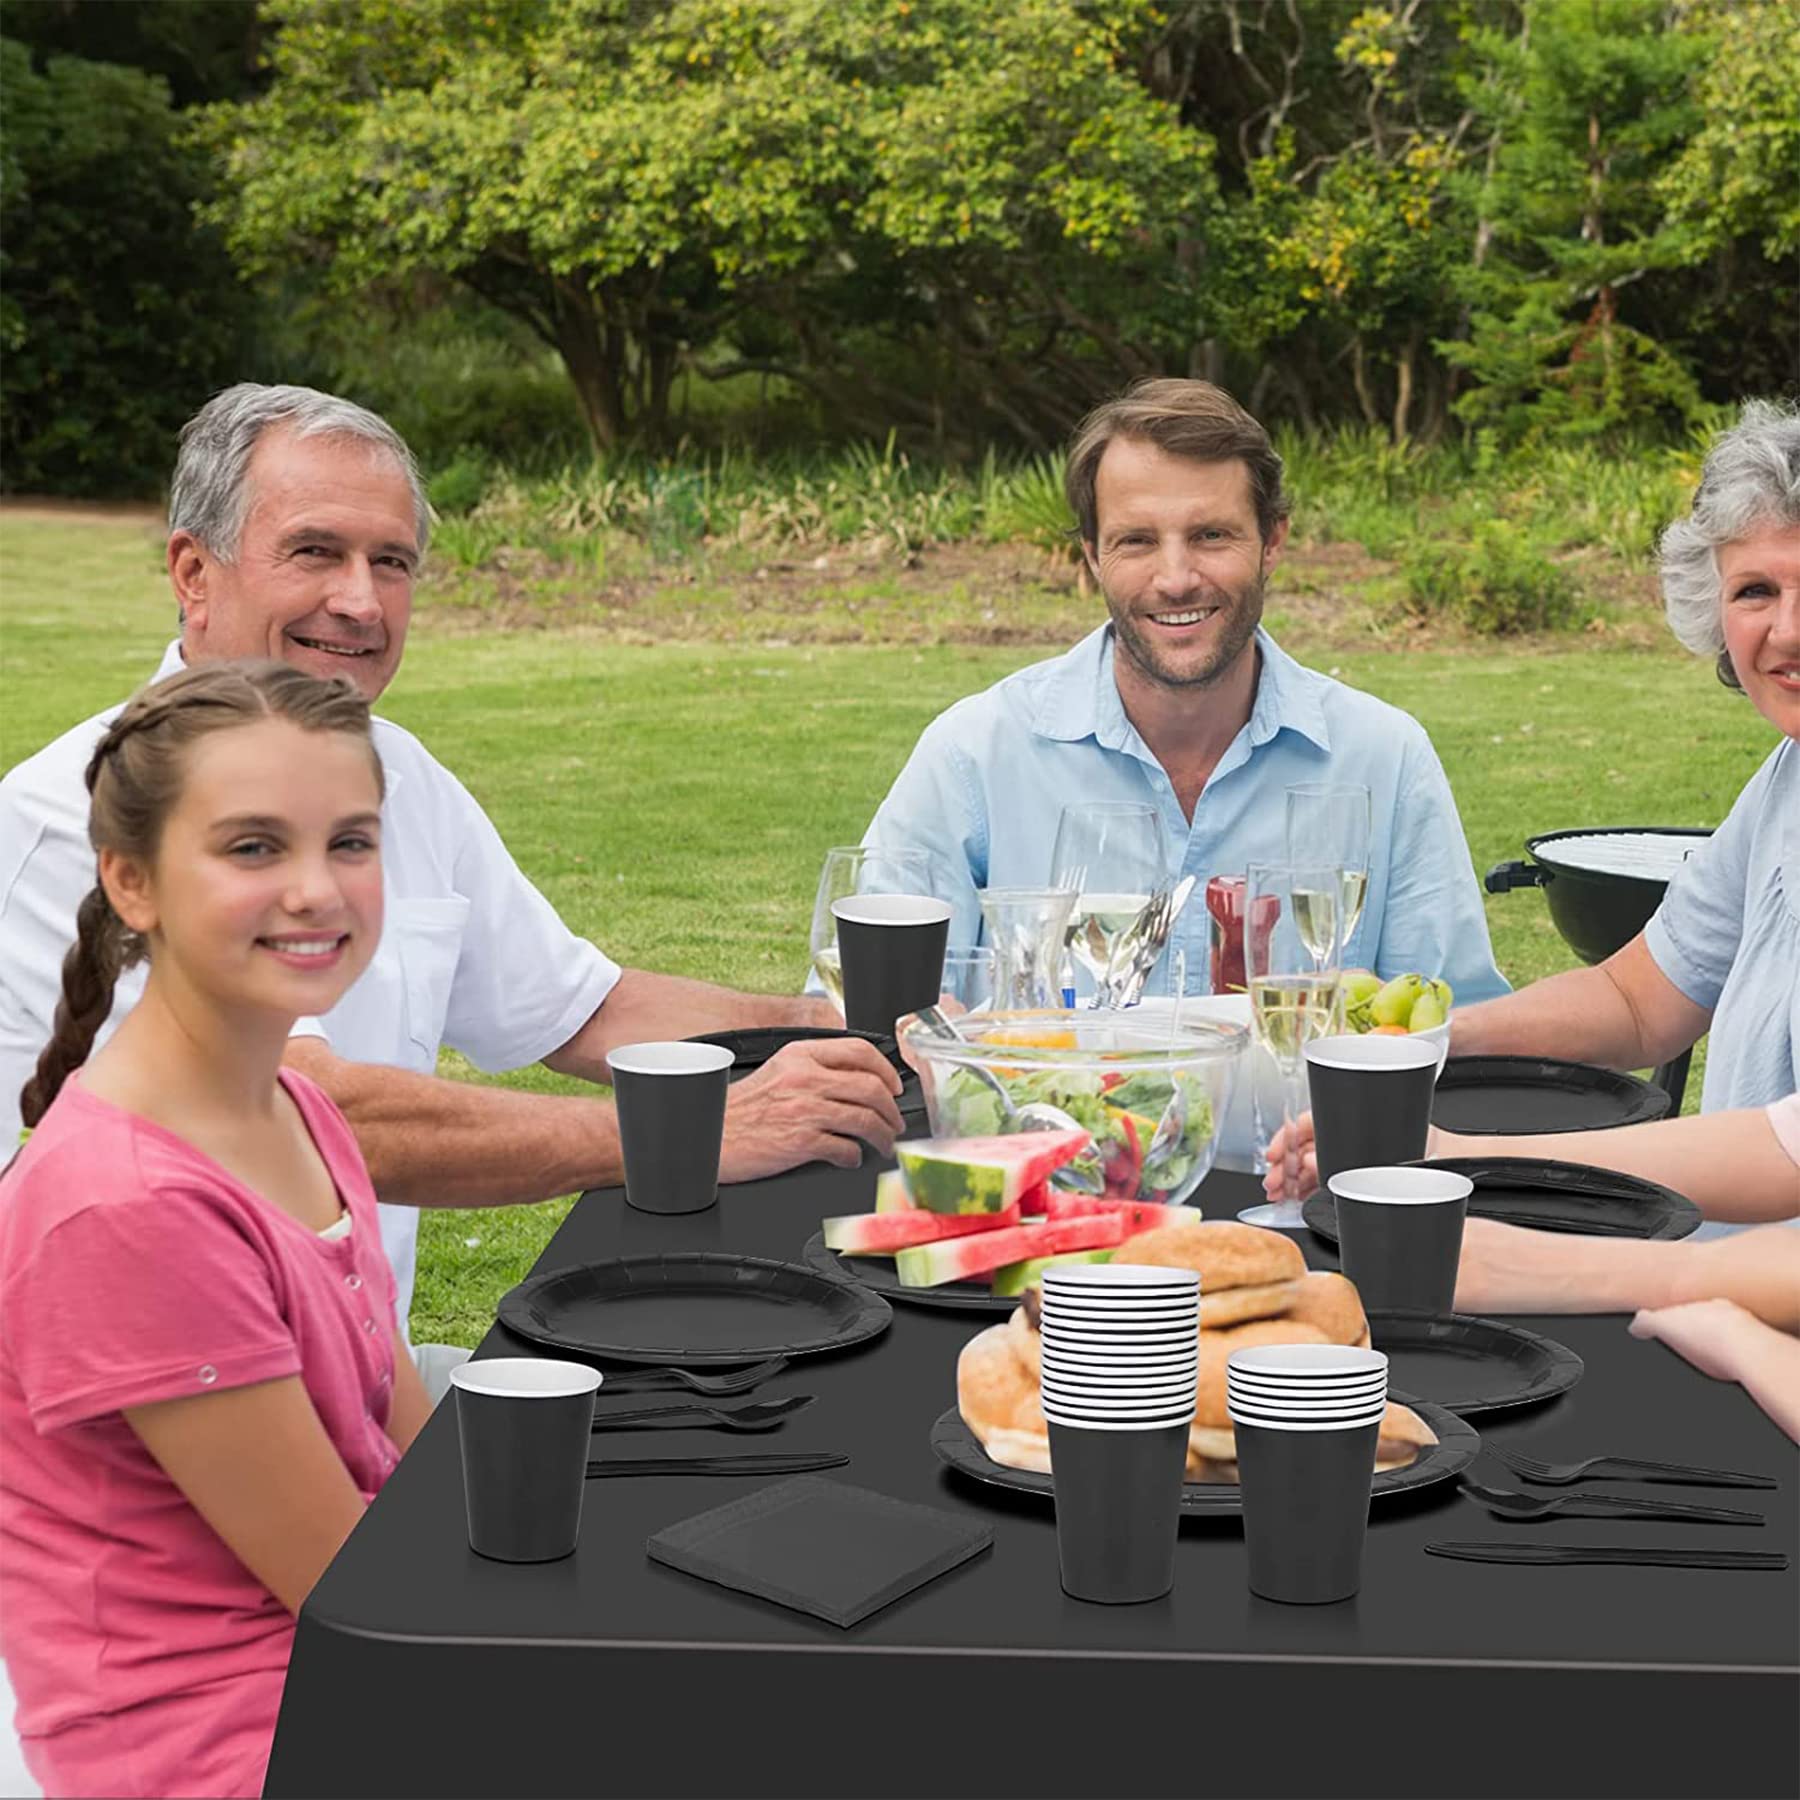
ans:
x=692 y=1309
x=876 y=1273
x=1551 y=1196
x=753 y=1047
x=1468 y=1364
x=1514 y=1094
x=1457 y=1446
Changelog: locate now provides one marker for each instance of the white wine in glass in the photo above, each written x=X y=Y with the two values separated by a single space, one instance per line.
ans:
x=1111 y=857
x=1354 y=890
x=1289 y=1011
x=1328 y=828
x=1294 y=997
x=828 y=965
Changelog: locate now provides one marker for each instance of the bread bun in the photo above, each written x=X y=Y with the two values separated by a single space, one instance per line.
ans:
x=1233 y=1306
x=1226 y=1253
x=1330 y=1304
x=999 y=1401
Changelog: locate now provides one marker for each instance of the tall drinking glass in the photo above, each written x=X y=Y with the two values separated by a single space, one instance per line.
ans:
x=1111 y=857
x=1328 y=828
x=1293 y=999
x=851 y=870
x=1027 y=928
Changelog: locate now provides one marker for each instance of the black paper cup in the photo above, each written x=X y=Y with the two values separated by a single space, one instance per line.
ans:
x=525 y=1424
x=1118 y=1504
x=1400 y=1235
x=671 y=1100
x=1371 y=1100
x=1306 y=1507
x=891 y=948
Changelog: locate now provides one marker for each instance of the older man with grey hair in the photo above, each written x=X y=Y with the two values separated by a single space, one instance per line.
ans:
x=297 y=525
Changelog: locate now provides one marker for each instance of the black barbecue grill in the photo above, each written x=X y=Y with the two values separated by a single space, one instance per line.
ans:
x=1601 y=888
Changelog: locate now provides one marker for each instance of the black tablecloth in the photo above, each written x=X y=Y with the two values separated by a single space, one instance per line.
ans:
x=420 y=1668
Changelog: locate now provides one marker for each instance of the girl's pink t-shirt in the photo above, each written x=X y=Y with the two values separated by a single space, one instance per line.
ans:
x=147 y=1660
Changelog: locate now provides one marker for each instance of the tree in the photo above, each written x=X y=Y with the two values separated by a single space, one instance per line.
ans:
x=111 y=335
x=1556 y=346
x=641 y=179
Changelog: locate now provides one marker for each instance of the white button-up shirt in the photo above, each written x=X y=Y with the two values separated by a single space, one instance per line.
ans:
x=471 y=954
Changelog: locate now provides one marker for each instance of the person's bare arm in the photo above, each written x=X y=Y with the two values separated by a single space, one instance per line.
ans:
x=256 y=1464
x=1730 y=1164
x=1508 y=1269
x=432 y=1142
x=411 y=1405
x=1624 y=1013
x=1724 y=1341
x=644 y=1007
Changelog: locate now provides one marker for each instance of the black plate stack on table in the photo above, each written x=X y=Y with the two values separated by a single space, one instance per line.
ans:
x=1514 y=1094
x=1458 y=1445
x=753 y=1047
x=1467 y=1364
x=1550 y=1196
x=692 y=1309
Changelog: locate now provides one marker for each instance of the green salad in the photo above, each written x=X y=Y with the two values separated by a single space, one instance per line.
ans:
x=1121 y=1111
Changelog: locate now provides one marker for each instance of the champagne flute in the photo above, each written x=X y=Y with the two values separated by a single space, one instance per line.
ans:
x=1328 y=826
x=851 y=869
x=1293 y=999
x=1111 y=857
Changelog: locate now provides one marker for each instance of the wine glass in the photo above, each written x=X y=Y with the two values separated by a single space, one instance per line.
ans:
x=1328 y=827
x=851 y=869
x=969 y=977
x=1111 y=857
x=1293 y=999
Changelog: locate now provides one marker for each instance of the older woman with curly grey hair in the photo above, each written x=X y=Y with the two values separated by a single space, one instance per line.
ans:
x=1723 y=950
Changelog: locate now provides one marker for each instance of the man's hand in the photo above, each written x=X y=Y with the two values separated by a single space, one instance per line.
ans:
x=1711 y=1334
x=817 y=1100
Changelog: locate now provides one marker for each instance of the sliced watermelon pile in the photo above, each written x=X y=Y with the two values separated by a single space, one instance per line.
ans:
x=962 y=1208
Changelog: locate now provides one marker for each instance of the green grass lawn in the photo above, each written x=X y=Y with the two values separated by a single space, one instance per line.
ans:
x=673 y=800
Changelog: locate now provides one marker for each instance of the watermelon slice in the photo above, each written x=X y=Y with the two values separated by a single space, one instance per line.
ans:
x=882 y=1234
x=1015 y=1278
x=956 y=1259
x=1139 y=1215
x=1034 y=1203
x=986 y=1174
x=891 y=1193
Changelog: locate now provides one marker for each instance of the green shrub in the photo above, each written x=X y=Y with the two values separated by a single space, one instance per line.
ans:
x=1496 y=583
x=1026 y=504
x=458 y=487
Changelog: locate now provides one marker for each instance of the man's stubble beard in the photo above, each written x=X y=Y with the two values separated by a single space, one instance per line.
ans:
x=1246 y=609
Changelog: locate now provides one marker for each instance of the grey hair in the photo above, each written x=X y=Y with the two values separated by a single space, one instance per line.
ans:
x=1751 y=479
x=210 y=496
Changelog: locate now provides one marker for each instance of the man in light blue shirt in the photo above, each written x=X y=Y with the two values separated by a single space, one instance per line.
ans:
x=1183 y=701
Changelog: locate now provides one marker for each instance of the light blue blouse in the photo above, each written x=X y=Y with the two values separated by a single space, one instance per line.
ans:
x=1728 y=935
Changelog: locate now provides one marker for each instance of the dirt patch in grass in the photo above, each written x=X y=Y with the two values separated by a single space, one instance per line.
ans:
x=1324 y=597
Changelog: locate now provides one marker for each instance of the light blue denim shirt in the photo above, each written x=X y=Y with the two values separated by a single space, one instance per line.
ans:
x=987 y=782
x=1728 y=935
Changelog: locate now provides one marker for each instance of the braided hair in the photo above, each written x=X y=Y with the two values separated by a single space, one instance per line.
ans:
x=134 y=779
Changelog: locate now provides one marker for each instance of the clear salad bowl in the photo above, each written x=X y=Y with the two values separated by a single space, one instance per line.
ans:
x=1152 y=1100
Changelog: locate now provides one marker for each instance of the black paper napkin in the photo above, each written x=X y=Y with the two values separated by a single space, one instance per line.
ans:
x=838 y=1552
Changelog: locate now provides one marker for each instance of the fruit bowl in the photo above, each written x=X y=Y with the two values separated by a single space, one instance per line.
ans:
x=1152 y=1101
x=1414 y=1004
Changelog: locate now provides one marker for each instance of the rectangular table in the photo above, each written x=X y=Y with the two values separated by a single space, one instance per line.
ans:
x=421 y=1668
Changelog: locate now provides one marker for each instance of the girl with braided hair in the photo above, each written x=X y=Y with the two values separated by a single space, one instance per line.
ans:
x=199 y=1385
